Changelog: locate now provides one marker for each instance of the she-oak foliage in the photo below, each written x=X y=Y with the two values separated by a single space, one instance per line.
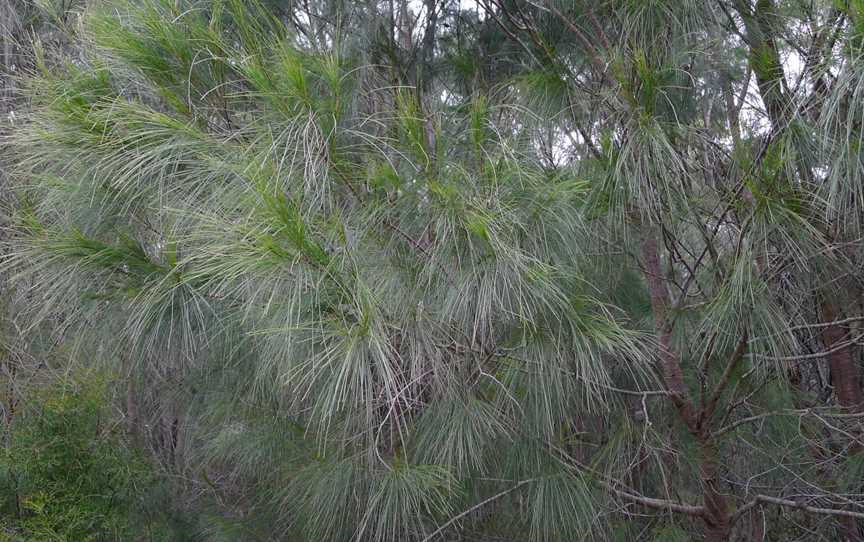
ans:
x=357 y=294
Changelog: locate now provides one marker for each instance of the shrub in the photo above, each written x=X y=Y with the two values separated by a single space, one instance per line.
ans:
x=67 y=472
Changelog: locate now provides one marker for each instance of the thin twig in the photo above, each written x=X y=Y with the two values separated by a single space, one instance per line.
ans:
x=794 y=504
x=477 y=506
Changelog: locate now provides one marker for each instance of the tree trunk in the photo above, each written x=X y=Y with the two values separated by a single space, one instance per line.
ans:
x=757 y=525
x=670 y=367
x=765 y=59
x=845 y=374
x=717 y=519
x=846 y=381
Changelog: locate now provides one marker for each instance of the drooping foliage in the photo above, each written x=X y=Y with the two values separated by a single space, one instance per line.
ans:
x=341 y=296
x=430 y=270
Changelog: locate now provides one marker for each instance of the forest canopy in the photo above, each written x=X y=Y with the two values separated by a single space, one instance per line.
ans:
x=428 y=270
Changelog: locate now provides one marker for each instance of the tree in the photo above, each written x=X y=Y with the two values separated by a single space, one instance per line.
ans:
x=524 y=269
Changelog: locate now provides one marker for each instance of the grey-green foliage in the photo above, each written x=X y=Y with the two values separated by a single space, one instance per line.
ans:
x=376 y=328
x=352 y=309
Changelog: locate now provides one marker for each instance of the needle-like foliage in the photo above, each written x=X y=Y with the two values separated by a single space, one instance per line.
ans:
x=420 y=270
x=405 y=304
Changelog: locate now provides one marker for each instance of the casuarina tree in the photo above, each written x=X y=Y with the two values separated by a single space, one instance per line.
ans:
x=443 y=270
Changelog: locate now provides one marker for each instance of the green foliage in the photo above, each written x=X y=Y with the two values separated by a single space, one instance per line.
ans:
x=558 y=507
x=216 y=175
x=352 y=309
x=68 y=473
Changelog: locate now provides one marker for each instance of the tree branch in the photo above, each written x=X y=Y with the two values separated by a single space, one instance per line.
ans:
x=797 y=505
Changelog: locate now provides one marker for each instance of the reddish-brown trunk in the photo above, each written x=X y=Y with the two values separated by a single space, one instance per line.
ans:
x=757 y=525
x=673 y=376
x=845 y=374
x=846 y=380
x=718 y=521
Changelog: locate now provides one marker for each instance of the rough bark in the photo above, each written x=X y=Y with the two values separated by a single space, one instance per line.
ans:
x=846 y=381
x=718 y=520
x=765 y=59
x=670 y=366
x=845 y=373
x=716 y=515
x=757 y=525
